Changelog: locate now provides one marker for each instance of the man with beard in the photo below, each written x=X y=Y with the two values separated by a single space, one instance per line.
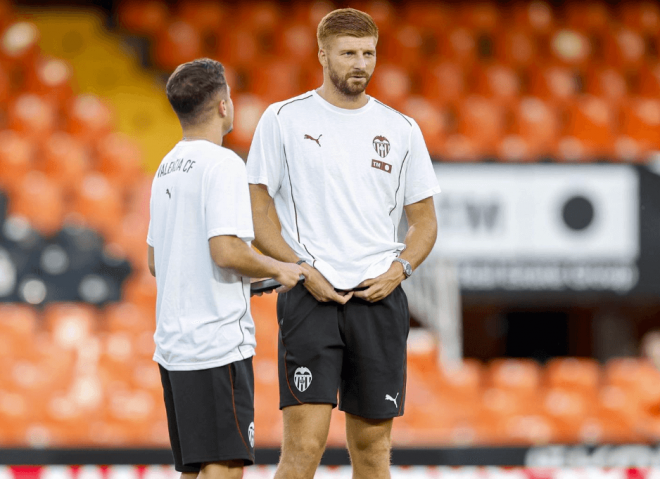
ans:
x=340 y=168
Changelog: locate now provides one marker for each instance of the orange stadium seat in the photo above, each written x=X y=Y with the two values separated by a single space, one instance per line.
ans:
x=89 y=118
x=297 y=40
x=405 y=45
x=516 y=47
x=458 y=45
x=482 y=120
x=205 y=15
x=41 y=201
x=624 y=48
x=514 y=148
x=643 y=16
x=276 y=80
x=640 y=121
x=19 y=45
x=480 y=17
x=94 y=196
x=499 y=82
x=570 y=47
x=143 y=17
x=177 y=43
x=51 y=78
x=70 y=323
x=589 y=17
x=249 y=109
x=606 y=83
x=557 y=83
x=239 y=48
x=119 y=158
x=461 y=148
x=66 y=160
x=17 y=158
x=430 y=16
x=128 y=317
x=576 y=374
x=534 y=16
x=443 y=83
x=140 y=289
x=5 y=88
x=649 y=79
x=432 y=121
x=520 y=375
x=259 y=17
x=391 y=85
x=32 y=116
x=592 y=121
x=18 y=325
x=131 y=236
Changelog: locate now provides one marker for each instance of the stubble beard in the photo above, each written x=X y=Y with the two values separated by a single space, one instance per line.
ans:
x=344 y=87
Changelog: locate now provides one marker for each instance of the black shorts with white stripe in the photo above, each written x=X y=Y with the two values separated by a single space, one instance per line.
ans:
x=357 y=350
x=210 y=414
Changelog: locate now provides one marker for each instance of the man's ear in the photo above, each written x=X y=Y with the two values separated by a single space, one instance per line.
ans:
x=222 y=108
x=323 y=59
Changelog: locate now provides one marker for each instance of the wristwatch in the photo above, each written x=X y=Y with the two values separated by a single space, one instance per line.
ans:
x=407 y=269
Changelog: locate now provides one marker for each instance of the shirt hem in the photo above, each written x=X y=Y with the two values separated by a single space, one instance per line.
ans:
x=259 y=180
x=422 y=196
x=238 y=356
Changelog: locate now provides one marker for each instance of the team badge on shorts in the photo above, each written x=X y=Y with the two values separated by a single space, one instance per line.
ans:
x=251 y=434
x=302 y=378
x=382 y=146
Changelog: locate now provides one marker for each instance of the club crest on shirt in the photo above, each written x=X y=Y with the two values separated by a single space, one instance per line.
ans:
x=382 y=146
x=302 y=378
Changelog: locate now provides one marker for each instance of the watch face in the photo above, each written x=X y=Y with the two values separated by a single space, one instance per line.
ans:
x=408 y=269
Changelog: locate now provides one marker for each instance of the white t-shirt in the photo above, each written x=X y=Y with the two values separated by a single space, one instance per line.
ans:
x=340 y=179
x=203 y=315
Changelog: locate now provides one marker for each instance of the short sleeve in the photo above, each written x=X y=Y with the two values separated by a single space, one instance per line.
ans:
x=264 y=163
x=421 y=181
x=227 y=200
x=150 y=236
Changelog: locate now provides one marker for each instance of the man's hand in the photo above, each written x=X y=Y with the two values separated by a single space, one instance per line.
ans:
x=288 y=276
x=321 y=289
x=381 y=286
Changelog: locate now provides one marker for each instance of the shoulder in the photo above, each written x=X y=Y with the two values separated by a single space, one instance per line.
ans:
x=216 y=157
x=393 y=115
x=291 y=105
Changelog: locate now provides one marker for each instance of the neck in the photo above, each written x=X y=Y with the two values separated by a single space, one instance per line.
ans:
x=329 y=93
x=212 y=134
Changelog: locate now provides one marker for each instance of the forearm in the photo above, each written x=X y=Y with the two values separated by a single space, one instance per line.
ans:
x=269 y=241
x=420 y=239
x=243 y=260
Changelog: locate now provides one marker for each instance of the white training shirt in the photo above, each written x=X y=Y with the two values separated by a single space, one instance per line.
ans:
x=203 y=315
x=340 y=179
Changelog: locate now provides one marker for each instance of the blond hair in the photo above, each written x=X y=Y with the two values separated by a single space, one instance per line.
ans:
x=346 y=21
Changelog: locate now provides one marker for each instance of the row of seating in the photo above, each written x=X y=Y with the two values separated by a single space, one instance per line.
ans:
x=524 y=82
x=74 y=371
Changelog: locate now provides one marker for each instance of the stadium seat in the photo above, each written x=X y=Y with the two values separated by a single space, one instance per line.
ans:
x=128 y=317
x=643 y=16
x=391 y=85
x=249 y=109
x=482 y=120
x=576 y=374
x=570 y=47
x=89 y=118
x=205 y=15
x=640 y=120
x=70 y=323
x=32 y=116
x=519 y=375
x=65 y=160
x=590 y=17
x=276 y=80
x=497 y=82
x=17 y=158
x=95 y=195
x=558 y=83
x=19 y=45
x=624 y=48
x=516 y=47
x=298 y=41
x=537 y=17
x=458 y=45
x=607 y=83
x=179 y=42
x=119 y=158
x=431 y=120
x=143 y=18
x=51 y=78
x=443 y=83
x=591 y=121
x=40 y=200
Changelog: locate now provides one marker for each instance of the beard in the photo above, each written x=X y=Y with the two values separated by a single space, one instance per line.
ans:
x=344 y=84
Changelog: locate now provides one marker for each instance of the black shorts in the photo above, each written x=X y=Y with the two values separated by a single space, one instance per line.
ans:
x=210 y=414
x=358 y=349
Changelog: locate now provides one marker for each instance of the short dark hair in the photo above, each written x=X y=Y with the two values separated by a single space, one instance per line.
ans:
x=346 y=21
x=192 y=85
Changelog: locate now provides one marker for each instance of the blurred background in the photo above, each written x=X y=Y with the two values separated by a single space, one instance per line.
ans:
x=536 y=320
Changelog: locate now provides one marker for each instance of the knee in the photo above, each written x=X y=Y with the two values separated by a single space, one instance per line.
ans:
x=303 y=449
x=222 y=470
x=370 y=452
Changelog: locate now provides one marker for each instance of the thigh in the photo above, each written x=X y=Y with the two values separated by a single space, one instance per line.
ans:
x=364 y=434
x=373 y=378
x=310 y=349
x=215 y=413
x=305 y=425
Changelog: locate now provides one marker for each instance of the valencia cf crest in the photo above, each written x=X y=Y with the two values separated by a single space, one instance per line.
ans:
x=302 y=378
x=382 y=146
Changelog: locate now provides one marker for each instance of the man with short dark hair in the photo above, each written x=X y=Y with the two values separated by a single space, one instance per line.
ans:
x=199 y=251
x=340 y=168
